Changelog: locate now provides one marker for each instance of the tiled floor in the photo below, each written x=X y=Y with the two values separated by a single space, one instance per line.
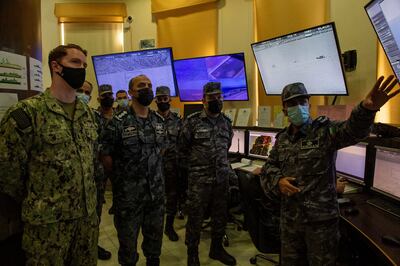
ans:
x=174 y=253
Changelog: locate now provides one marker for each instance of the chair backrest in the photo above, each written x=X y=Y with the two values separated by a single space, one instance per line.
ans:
x=261 y=212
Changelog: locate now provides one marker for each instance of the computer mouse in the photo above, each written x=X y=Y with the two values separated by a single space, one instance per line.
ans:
x=391 y=240
x=351 y=211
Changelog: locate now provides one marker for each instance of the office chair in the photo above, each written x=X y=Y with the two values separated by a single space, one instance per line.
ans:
x=262 y=216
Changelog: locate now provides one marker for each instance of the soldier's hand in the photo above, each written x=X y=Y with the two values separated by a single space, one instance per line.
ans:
x=257 y=171
x=286 y=187
x=380 y=93
x=340 y=185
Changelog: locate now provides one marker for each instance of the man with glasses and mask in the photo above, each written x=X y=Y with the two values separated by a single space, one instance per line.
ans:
x=122 y=101
x=84 y=93
x=132 y=145
x=45 y=143
x=204 y=140
x=301 y=171
x=170 y=159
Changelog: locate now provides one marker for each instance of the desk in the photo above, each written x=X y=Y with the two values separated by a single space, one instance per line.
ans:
x=370 y=224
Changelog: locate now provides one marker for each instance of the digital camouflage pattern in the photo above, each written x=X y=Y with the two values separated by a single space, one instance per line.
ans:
x=99 y=174
x=135 y=145
x=204 y=142
x=147 y=217
x=173 y=182
x=43 y=161
x=309 y=156
x=71 y=242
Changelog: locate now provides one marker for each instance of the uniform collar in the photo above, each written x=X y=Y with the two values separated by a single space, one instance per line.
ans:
x=304 y=129
x=54 y=106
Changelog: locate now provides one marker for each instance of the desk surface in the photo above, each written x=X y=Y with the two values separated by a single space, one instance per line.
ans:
x=372 y=223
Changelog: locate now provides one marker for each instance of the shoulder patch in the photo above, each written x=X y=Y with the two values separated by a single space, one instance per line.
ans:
x=321 y=120
x=121 y=115
x=194 y=114
x=280 y=132
x=227 y=118
x=21 y=118
x=160 y=116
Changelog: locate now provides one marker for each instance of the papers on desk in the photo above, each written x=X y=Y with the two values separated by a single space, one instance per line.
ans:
x=352 y=188
x=242 y=163
x=250 y=168
x=248 y=165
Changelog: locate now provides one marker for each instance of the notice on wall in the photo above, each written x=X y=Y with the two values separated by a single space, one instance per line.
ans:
x=231 y=113
x=7 y=100
x=36 y=75
x=264 y=116
x=279 y=117
x=13 y=72
x=243 y=117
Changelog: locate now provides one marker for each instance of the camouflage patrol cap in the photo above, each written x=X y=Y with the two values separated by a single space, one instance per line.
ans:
x=294 y=90
x=163 y=90
x=212 y=88
x=105 y=88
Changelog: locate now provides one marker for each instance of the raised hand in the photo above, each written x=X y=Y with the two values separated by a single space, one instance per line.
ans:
x=380 y=93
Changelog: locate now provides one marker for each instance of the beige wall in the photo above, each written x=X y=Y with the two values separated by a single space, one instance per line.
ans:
x=356 y=32
x=235 y=34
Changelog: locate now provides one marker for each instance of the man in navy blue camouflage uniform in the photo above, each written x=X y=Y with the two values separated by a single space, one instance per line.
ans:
x=301 y=170
x=132 y=145
x=204 y=141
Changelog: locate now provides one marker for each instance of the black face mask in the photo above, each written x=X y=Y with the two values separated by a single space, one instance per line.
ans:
x=146 y=96
x=215 y=106
x=75 y=77
x=163 y=106
x=107 y=102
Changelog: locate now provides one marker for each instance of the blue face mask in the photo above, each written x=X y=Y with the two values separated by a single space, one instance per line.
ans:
x=123 y=102
x=298 y=114
x=83 y=97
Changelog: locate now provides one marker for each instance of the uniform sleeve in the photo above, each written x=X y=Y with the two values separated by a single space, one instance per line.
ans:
x=353 y=130
x=15 y=139
x=184 y=142
x=271 y=172
x=108 y=138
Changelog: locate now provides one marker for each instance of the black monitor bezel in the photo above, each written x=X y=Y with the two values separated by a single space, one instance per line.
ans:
x=377 y=190
x=225 y=100
x=244 y=130
x=138 y=51
x=353 y=178
x=338 y=51
x=377 y=35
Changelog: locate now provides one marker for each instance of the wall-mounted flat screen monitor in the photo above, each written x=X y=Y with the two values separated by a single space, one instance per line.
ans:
x=193 y=73
x=387 y=172
x=350 y=162
x=261 y=143
x=385 y=18
x=118 y=69
x=238 y=141
x=310 y=56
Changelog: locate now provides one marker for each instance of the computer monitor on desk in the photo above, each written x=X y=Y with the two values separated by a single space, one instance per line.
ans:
x=350 y=163
x=238 y=142
x=261 y=143
x=387 y=172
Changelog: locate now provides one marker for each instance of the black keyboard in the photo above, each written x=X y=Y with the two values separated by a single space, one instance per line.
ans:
x=385 y=206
